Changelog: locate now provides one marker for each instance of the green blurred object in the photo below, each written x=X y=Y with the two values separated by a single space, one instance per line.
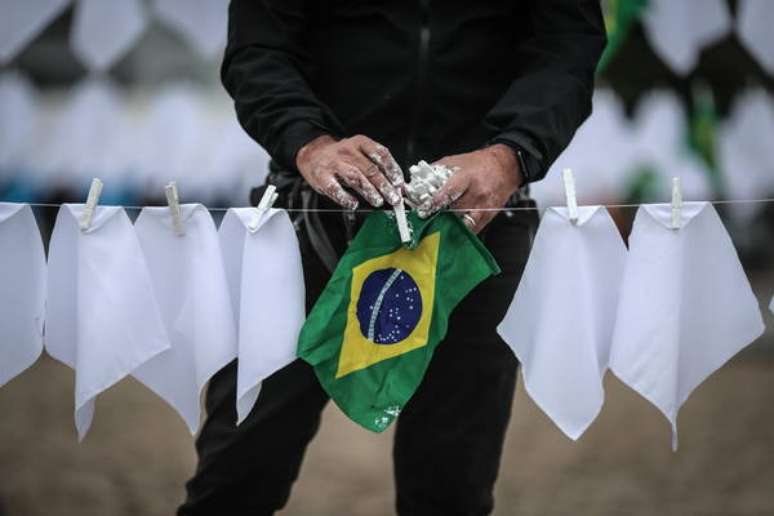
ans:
x=643 y=185
x=702 y=134
x=620 y=15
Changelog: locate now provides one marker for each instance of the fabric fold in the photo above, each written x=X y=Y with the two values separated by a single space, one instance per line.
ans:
x=102 y=317
x=266 y=283
x=561 y=319
x=686 y=306
x=189 y=282
x=22 y=290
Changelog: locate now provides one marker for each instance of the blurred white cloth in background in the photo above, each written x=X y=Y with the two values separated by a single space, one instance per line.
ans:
x=264 y=273
x=103 y=32
x=202 y=23
x=746 y=152
x=686 y=306
x=189 y=281
x=561 y=319
x=22 y=290
x=18 y=114
x=755 y=19
x=678 y=31
x=102 y=318
x=22 y=20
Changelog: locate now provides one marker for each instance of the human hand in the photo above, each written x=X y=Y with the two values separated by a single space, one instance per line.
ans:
x=363 y=165
x=484 y=178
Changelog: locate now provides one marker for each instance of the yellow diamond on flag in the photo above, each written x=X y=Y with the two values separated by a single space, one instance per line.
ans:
x=390 y=307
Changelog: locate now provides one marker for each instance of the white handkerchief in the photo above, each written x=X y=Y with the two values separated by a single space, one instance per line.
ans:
x=754 y=21
x=202 y=23
x=679 y=31
x=561 y=319
x=190 y=285
x=22 y=290
x=22 y=21
x=686 y=306
x=266 y=281
x=103 y=32
x=102 y=318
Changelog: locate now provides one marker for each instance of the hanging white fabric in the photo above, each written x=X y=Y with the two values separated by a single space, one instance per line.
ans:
x=754 y=21
x=103 y=32
x=678 y=30
x=686 y=306
x=102 y=318
x=22 y=290
x=189 y=281
x=18 y=114
x=23 y=21
x=202 y=23
x=561 y=319
x=266 y=280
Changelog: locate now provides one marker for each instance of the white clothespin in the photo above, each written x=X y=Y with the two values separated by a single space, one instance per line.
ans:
x=569 y=192
x=91 y=204
x=173 y=200
x=400 y=219
x=677 y=202
x=266 y=202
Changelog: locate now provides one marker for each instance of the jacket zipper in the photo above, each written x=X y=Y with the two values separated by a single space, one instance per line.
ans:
x=421 y=84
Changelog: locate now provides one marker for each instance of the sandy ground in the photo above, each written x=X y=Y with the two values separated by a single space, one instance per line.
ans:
x=138 y=455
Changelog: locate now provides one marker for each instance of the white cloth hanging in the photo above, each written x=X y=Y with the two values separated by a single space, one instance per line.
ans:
x=754 y=21
x=22 y=290
x=103 y=32
x=22 y=21
x=561 y=319
x=678 y=31
x=202 y=23
x=686 y=306
x=18 y=114
x=102 y=318
x=190 y=285
x=266 y=280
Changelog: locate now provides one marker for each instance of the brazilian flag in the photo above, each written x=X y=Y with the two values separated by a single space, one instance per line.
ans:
x=372 y=332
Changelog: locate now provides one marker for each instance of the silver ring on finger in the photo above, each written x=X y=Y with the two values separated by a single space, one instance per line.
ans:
x=469 y=220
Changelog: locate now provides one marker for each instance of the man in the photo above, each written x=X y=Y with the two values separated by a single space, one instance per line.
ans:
x=344 y=95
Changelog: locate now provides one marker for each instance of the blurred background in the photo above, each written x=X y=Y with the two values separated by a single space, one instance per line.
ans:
x=129 y=91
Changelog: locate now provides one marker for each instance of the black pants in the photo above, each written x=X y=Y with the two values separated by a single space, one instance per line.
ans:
x=449 y=436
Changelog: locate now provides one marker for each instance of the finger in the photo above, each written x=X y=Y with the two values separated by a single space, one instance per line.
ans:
x=382 y=157
x=353 y=178
x=332 y=189
x=452 y=190
x=376 y=177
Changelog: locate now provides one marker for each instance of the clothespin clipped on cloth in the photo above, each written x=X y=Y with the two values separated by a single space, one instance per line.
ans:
x=266 y=202
x=173 y=200
x=402 y=221
x=569 y=193
x=91 y=204
x=677 y=202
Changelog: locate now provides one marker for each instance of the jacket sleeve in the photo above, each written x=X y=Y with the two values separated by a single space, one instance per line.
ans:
x=262 y=70
x=556 y=57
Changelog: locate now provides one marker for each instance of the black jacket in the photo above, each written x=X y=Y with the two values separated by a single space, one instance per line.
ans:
x=426 y=78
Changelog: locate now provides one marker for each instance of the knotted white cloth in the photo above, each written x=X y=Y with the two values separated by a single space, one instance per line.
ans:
x=189 y=281
x=266 y=280
x=561 y=319
x=22 y=290
x=686 y=306
x=102 y=318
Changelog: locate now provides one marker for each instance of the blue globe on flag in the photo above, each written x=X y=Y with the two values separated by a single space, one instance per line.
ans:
x=389 y=307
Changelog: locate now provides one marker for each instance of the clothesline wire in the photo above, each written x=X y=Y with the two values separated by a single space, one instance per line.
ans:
x=339 y=210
